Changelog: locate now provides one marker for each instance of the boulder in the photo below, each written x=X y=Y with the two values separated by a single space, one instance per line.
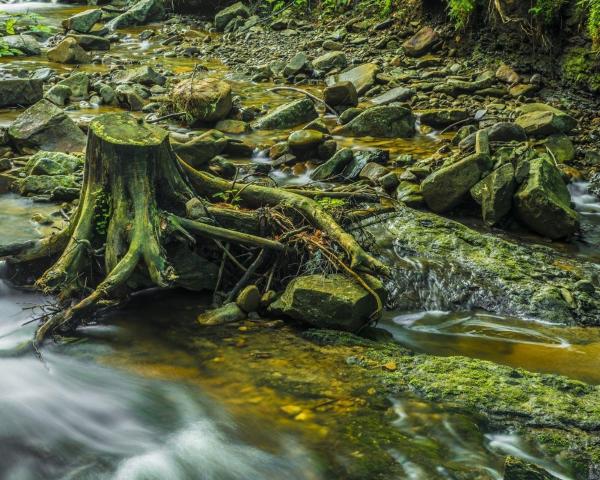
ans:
x=289 y=115
x=129 y=98
x=363 y=77
x=48 y=185
x=507 y=75
x=302 y=141
x=543 y=123
x=203 y=100
x=58 y=94
x=330 y=60
x=442 y=117
x=78 y=83
x=143 y=75
x=20 y=91
x=44 y=126
x=52 y=163
x=228 y=313
x=297 y=64
x=142 y=12
x=506 y=132
x=397 y=94
x=84 y=21
x=561 y=147
x=543 y=202
x=372 y=172
x=341 y=93
x=226 y=15
x=249 y=299
x=234 y=127
x=360 y=158
x=446 y=188
x=334 y=166
x=387 y=121
x=68 y=51
x=495 y=194
x=198 y=151
x=91 y=42
x=329 y=301
x=27 y=44
x=421 y=42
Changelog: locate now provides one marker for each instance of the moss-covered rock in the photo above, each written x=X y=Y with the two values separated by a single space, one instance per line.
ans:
x=362 y=77
x=204 y=100
x=47 y=185
x=581 y=67
x=386 y=121
x=543 y=201
x=289 y=115
x=495 y=193
x=53 y=163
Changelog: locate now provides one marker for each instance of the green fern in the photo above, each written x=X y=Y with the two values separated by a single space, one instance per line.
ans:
x=460 y=12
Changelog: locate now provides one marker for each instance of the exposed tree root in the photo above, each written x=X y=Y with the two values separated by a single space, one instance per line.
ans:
x=140 y=205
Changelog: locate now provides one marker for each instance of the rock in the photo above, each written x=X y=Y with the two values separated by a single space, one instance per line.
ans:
x=198 y=151
x=517 y=469
x=107 y=94
x=249 y=299
x=373 y=172
x=397 y=94
x=442 y=117
x=23 y=42
x=228 y=313
x=289 y=115
x=334 y=166
x=143 y=75
x=298 y=63
x=129 y=98
x=421 y=42
x=305 y=140
x=68 y=51
x=360 y=158
x=561 y=147
x=523 y=90
x=52 y=163
x=350 y=113
x=142 y=12
x=332 y=45
x=58 y=95
x=507 y=75
x=341 y=93
x=410 y=194
x=204 y=100
x=363 y=77
x=544 y=123
x=234 y=127
x=84 y=21
x=387 y=121
x=78 y=83
x=506 y=132
x=543 y=201
x=44 y=126
x=329 y=301
x=445 y=188
x=330 y=60
x=48 y=185
x=91 y=42
x=495 y=194
x=226 y=15
x=20 y=91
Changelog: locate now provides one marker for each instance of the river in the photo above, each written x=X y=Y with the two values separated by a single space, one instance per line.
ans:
x=125 y=400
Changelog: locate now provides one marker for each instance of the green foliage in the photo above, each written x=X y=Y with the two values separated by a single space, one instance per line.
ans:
x=7 y=51
x=102 y=216
x=593 y=23
x=547 y=10
x=460 y=12
x=228 y=196
x=11 y=24
x=331 y=204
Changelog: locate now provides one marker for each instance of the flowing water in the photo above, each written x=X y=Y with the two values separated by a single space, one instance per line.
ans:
x=128 y=401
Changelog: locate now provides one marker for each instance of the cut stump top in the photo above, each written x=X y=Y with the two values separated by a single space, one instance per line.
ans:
x=125 y=129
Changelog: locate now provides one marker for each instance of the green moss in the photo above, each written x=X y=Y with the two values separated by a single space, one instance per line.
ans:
x=581 y=67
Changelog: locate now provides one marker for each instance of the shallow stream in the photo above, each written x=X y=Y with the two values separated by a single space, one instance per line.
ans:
x=127 y=401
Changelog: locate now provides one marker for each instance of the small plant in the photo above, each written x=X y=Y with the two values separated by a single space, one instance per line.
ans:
x=547 y=10
x=228 y=196
x=593 y=22
x=102 y=217
x=8 y=51
x=460 y=12
x=331 y=204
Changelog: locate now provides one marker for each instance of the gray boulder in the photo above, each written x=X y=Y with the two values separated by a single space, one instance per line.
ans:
x=329 y=301
x=288 y=115
x=334 y=166
x=363 y=77
x=447 y=187
x=144 y=75
x=226 y=15
x=20 y=91
x=27 y=44
x=53 y=163
x=387 y=121
x=44 y=126
x=68 y=51
x=142 y=12
x=330 y=60
x=91 y=42
x=543 y=202
x=83 y=22
x=341 y=93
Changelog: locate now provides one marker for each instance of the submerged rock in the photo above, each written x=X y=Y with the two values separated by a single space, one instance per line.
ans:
x=477 y=270
x=387 y=121
x=328 y=301
x=205 y=100
x=289 y=115
x=20 y=91
x=543 y=201
x=44 y=126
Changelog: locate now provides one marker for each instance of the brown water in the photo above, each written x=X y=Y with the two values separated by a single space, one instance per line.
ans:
x=148 y=395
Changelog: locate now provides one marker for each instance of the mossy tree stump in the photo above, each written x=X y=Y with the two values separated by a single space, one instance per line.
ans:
x=133 y=205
